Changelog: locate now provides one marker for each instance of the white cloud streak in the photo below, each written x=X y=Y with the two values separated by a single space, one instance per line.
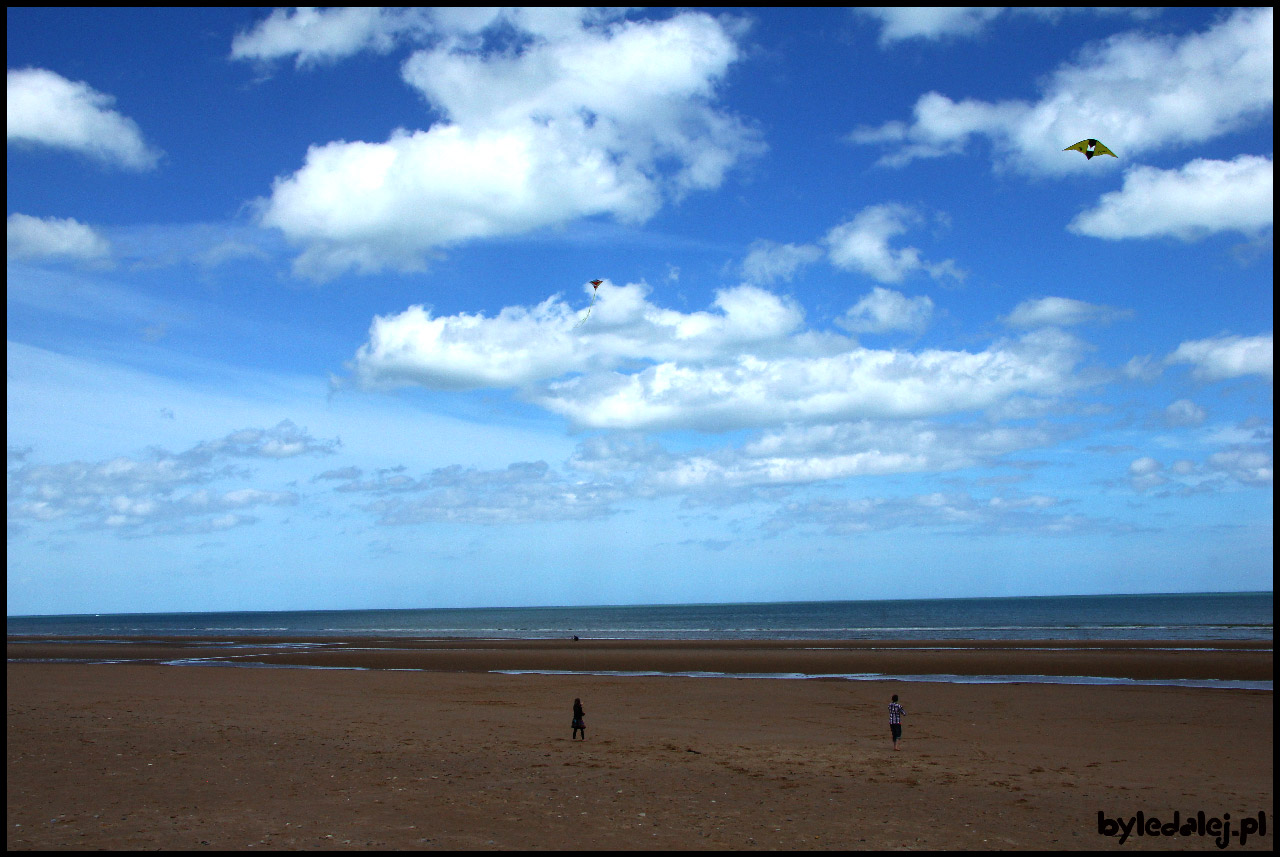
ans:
x=947 y=511
x=937 y=23
x=1061 y=312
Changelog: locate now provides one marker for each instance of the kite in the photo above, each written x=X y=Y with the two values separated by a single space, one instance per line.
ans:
x=1090 y=148
x=595 y=287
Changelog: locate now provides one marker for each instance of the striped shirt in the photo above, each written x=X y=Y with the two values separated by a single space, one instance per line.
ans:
x=895 y=714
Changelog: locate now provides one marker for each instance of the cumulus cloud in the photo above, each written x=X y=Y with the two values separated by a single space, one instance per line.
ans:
x=1137 y=92
x=863 y=244
x=748 y=363
x=885 y=310
x=1202 y=198
x=522 y=345
x=1061 y=312
x=1225 y=357
x=590 y=115
x=46 y=109
x=54 y=238
x=753 y=391
x=159 y=493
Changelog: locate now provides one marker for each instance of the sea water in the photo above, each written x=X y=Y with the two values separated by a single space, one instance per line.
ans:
x=1195 y=616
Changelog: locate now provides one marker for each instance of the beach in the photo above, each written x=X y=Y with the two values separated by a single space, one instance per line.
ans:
x=427 y=748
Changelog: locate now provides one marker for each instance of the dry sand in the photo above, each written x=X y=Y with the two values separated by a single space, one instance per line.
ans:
x=143 y=756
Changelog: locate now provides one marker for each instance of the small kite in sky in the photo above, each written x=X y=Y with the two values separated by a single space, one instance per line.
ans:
x=1089 y=148
x=595 y=288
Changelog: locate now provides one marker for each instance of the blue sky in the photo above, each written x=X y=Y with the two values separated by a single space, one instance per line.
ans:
x=296 y=301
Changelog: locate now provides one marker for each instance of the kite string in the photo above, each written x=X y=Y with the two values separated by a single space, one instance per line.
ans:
x=583 y=320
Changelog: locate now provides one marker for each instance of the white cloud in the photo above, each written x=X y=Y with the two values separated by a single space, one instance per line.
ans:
x=862 y=244
x=1143 y=368
x=1226 y=357
x=1061 y=312
x=945 y=510
x=638 y=366
x=803 y=454
x=1247 y=465
x=747 y=390
x=930 y=22
x=522 y=492
x=521 y=346
x=319 y=36
x=792 y=456
x=884 y=310
x=1135 y=91
x=53 y=237
x=285 y=440
x=590 y=116
x=46 y=109
x=935 y=23
x=370 y=206
x=1202 y=198
x=160 y=493
x=767 y=261
x=1145 y=474
x=1184 y=412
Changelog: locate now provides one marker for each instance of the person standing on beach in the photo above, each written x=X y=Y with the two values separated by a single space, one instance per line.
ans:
x=578 y=723
x=895 y=720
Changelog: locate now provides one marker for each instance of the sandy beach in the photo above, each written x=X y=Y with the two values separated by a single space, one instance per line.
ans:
x=438 y=752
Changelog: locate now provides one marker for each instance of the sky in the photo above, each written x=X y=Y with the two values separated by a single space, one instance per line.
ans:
x=300 y=314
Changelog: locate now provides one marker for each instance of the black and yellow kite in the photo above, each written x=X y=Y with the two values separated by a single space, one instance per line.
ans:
x=1090 y=148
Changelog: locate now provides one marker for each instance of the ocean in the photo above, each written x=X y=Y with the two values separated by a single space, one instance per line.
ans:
x=1196 y=616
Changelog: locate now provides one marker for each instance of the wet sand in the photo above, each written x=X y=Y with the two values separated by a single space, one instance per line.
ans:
x=136 y=755
x=1144 y=660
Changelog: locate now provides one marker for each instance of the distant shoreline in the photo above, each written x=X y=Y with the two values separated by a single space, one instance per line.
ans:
x=927 y=660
